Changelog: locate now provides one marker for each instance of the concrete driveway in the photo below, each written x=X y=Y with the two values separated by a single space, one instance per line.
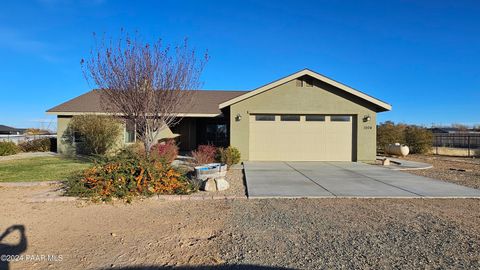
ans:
x=342 y=179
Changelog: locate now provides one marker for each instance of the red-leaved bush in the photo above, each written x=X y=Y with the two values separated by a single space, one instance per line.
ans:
x=168 y=151
x=205 y=154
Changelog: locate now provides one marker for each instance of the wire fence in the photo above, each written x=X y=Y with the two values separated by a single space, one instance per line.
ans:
x=462 y=141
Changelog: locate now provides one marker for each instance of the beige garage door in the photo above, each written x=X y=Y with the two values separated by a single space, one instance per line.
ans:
x=301 y=137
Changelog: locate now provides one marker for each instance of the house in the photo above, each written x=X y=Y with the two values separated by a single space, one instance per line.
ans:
x=6 y=130
x=302 y=117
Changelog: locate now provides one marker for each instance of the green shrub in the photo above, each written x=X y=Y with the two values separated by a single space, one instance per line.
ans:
x=127 y=175
x=36 y=145
x=418 y=139
x=8 y=148
x=229 y=155
x=166 y=151
x=99 y=133
x=390 y=133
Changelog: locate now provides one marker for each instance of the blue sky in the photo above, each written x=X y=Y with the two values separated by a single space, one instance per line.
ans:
x=420 y=56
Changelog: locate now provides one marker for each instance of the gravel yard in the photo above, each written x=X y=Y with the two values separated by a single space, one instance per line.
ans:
x=291 y=233
x=354 y=234
x=458 y=170
x=237 y=186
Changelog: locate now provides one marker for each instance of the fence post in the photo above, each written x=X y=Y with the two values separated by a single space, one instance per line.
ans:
x=468 y=138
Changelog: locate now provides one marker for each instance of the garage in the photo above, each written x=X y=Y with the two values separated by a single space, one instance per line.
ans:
x=304 y=117
x=297 y=137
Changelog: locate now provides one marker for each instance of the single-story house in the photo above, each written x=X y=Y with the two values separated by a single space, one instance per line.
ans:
x=6 y=130
x=302 y=117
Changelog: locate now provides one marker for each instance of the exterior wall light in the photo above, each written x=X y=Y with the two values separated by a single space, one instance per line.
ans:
x=238 y=117
x=366 y=118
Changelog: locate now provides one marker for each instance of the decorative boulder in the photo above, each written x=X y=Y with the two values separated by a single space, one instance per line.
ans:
x=209 y=185
x=222 y=184
x=217 y=184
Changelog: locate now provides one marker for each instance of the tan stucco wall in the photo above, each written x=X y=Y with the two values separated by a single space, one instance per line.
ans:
x=319 y=99
x=63 y=147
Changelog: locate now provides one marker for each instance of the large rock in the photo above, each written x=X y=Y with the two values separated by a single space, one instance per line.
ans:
x=222 y=184
x=217 y=184
x=209 y=185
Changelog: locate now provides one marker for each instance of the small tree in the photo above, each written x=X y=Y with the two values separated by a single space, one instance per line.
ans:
x=144 y=83
x=99 y=133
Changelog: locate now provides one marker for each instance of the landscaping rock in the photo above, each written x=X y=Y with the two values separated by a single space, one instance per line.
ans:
x=209 y=185
x=222 y=184
x=217 y=184
x=386 y=162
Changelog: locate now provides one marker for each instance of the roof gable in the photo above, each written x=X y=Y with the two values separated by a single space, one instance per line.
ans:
x=306 y=72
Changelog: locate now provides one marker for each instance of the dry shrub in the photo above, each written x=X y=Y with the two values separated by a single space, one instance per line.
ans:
x=9 y=148
x=166 y=151
x=36 y=145
x=205 y=154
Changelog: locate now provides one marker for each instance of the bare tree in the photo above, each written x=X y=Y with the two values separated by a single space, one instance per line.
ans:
x=144 y=83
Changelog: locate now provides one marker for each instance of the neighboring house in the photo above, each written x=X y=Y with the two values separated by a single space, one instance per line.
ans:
x=302 y=117
x=6 y=130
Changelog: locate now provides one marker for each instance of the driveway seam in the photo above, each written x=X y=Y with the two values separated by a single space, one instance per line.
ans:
x=310 y=179
x=355 y=172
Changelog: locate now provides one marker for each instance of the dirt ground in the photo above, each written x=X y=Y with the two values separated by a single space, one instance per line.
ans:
x=298 y=234
x=90 y=236
x=458 y=170
x=241 y=233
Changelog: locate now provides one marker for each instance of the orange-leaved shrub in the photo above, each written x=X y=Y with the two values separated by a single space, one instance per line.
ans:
x=166 y=151
x=127 y=175
x=205 y=154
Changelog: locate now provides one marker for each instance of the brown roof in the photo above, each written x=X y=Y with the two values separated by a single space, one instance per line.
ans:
x=205 y=102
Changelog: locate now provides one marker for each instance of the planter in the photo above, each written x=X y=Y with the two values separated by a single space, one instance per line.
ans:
x=211 y=170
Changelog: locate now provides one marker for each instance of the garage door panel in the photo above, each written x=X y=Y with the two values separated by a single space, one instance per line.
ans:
x=300 y=140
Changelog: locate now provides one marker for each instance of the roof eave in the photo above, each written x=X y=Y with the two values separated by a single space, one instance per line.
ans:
x=103 y=113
